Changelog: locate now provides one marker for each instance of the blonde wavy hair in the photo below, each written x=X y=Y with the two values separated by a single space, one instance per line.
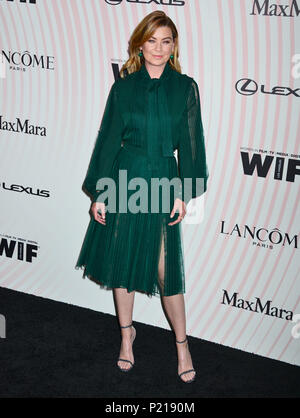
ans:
x=143 y=31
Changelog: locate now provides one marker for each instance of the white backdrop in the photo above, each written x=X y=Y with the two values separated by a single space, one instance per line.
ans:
x=242 y=265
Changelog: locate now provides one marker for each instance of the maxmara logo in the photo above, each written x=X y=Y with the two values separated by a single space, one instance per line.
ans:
x=157 y=2
x=18 y=248
x=22 y=127
x=267 y=8
x=256 y=306
x=262 y=237
x=27 y=59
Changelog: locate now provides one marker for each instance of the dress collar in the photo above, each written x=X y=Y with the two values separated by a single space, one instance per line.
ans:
x=164 y=75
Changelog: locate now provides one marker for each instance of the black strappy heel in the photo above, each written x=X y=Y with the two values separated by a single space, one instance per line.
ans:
x=122 y=359
x=186 y=371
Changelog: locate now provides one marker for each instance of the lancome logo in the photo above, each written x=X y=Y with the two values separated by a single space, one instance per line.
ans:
x=256 y=306
x=262 y=237
x=24 y=127
x=162 y=2
x=26 y=59
x=267 y=9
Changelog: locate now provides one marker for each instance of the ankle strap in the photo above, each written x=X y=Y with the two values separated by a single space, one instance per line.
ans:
x=126 y=326
x=180 y=342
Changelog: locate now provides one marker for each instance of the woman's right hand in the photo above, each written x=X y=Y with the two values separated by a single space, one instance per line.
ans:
x=99 y=207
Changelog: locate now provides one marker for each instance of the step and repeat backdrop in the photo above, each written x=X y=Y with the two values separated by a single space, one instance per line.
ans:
x=58 y=61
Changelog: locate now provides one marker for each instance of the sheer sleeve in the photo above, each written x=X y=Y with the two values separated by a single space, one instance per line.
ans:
x=107 y=144
x=191 y=148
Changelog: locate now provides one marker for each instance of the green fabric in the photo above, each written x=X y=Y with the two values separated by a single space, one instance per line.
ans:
x=144 y=122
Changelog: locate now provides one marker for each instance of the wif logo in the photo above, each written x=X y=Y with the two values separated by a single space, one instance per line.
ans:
x=18 y=248
x=280 y=163
x=20 y=1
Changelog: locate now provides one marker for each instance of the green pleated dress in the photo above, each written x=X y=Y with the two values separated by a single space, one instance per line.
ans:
x=145 y=120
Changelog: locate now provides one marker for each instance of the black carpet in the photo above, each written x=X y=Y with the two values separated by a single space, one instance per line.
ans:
x=53 y=349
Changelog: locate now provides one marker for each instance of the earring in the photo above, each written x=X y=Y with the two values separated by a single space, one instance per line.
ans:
x=172 y=56
x=140 y=53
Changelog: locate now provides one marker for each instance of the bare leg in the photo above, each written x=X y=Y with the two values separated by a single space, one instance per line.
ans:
x=175 y=308
x=124 y=304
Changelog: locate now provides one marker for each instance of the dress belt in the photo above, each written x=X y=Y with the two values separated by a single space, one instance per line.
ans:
x=141 y=151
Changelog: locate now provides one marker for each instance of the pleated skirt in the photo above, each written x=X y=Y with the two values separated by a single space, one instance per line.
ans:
x=137 y=251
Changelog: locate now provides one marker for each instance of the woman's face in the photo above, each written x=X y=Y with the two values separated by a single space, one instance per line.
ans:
x=159 y=47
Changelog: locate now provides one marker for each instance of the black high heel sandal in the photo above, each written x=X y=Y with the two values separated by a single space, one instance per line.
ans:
x=186 y=371
x=122 y=359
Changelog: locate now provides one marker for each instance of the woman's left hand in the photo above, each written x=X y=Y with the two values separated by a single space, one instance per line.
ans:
x=180 y=206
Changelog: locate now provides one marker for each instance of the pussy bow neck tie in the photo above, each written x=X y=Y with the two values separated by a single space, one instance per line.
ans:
x=158 y=105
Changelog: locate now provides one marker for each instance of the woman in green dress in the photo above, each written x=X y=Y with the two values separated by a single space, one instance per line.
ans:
x=152 y=110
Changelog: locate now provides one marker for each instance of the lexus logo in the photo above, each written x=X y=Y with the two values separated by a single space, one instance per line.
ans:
x=162 y=2
x=248 y=87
